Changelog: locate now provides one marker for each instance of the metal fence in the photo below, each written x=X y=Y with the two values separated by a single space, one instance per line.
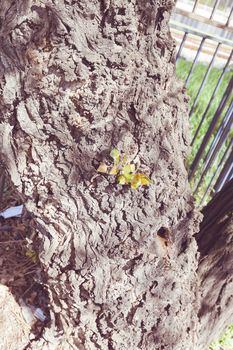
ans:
x=204 y=34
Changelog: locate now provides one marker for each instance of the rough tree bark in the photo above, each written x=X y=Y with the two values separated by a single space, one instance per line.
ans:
x=77 y=79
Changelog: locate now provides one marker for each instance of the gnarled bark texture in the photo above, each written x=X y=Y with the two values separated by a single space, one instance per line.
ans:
x=77 y=79
x=215 y=242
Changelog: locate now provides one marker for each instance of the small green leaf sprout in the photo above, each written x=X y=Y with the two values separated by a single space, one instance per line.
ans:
x=125 y=172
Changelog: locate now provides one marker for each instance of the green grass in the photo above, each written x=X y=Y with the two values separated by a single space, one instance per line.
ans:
x=182 y=71
x=226 y=341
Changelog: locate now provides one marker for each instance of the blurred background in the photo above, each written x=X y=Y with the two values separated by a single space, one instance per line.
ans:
x=203 y=31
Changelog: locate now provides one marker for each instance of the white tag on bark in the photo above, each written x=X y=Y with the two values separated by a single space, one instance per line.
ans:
x=12 y=212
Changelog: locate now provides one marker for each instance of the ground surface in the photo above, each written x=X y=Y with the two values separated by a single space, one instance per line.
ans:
x=20 y=273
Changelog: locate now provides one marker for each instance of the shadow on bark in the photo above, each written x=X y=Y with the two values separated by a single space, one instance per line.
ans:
x=20 y=269
x=215 y=243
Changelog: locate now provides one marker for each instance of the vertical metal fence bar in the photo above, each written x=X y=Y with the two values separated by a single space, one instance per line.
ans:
x=195 y=61
x=212 y=97
x=224 y=173
x=214 y=8
x=215 y=146
x=194 y=5
x=221 y=135
x=229 y=17
x=230 y=175
x=204 y=80
x=213 y=123
x=214 y=150
x=224 y=157
x=181 y=46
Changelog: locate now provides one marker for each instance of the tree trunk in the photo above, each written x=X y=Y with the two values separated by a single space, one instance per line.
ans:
x=77 y=80
x=215 y=243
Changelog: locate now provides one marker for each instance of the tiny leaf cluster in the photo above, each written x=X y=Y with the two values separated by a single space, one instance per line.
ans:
x=30 y=253
x=125 y=172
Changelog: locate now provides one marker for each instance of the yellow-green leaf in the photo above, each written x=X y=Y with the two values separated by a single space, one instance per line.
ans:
x=129 y=168
x=121 y=180
x=145 y=180
x=128 y=177
x=136 y=181
x=140 y=179
x=124 y=160
x=135 y=185
x=115 y=154
x=31 y=254
x=114 y=170
x=103 y=168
